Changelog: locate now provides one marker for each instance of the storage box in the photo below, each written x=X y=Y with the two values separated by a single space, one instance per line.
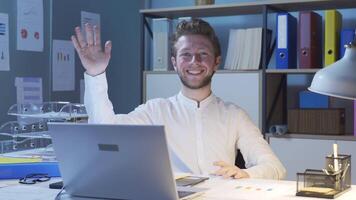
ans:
x=317 y=121
x=309 y=99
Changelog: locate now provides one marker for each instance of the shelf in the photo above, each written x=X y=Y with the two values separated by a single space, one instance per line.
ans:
x=313 y=136
x=247 y=8
x=218 y=71
x=291 y=71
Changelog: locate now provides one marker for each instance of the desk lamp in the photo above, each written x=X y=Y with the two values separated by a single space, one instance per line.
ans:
x=339 y=78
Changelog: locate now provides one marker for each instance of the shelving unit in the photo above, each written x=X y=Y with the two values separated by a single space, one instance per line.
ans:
x=270 y=78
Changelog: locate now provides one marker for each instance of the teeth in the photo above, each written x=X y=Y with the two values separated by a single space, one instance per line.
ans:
x=194 y=71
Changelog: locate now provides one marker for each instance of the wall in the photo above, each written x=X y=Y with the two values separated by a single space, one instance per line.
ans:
x=23 y=63
x=120 y=21
x=120 y=24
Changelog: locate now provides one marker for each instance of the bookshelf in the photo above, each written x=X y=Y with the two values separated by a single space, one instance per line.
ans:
x=273 y=81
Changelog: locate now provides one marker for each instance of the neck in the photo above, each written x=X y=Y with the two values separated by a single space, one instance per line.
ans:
x=197 y=94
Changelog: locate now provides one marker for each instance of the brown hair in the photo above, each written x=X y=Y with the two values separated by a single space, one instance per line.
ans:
x=195 y=27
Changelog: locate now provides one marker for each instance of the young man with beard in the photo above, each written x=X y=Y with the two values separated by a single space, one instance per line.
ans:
x=203 y=131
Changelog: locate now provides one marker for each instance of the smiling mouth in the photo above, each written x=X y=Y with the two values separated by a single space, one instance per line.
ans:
x=194 y=72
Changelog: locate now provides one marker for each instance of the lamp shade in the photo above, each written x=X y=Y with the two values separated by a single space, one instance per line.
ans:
x=339 y=78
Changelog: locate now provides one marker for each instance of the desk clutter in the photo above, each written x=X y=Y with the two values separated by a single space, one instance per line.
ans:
x=25 y=145
x=330 y=182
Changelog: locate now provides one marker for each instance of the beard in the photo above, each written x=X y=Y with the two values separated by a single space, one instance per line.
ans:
x=206 y=81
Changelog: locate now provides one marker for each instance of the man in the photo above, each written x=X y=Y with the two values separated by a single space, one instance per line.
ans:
x=203 y=132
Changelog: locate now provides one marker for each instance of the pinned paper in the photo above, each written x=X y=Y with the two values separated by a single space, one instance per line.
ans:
x=4 y=42
x=90 y=18
x=63 y=71
x=30 y=25
x=29 y=90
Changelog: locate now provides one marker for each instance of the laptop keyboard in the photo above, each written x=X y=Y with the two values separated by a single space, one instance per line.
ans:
x=182 y=194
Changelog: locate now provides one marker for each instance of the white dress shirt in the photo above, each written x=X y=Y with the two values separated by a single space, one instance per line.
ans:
x=198 y=134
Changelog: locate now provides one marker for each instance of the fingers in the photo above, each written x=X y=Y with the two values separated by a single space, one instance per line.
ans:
x=107 y=49
x=80 y=37
x=97 y=41
x=221 y=171
x=220 y=164
x=75 y=43
x=231 y=172
x=89 y=34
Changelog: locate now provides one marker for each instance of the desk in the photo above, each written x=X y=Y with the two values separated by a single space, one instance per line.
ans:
x=218 y=189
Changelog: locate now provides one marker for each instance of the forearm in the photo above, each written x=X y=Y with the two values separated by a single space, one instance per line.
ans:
x=96 y=100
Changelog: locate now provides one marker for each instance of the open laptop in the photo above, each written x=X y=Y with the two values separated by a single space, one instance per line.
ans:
x=115 y=161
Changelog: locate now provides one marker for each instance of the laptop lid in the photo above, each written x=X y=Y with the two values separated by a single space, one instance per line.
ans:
x=113 y=161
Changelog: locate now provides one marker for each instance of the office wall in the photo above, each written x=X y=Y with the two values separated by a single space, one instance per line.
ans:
x=120 y=21
x=23 y=63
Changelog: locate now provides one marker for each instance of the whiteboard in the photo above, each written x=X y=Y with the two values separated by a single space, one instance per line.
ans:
x=242 y=88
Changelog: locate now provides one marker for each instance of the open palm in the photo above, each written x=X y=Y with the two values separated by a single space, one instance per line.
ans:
x=91 y=54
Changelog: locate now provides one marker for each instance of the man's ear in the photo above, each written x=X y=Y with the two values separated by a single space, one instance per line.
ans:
x=174 y=63
x=217 y=63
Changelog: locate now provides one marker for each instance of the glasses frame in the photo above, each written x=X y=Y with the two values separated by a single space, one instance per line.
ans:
x=34 y=178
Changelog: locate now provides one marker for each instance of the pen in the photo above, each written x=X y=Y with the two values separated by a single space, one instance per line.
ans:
x=336 y=163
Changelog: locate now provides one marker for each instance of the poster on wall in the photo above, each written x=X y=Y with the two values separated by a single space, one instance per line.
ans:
x=30 y=25
x=63 y=71
x=4 y=42
x=28 y=90
x=90 y=18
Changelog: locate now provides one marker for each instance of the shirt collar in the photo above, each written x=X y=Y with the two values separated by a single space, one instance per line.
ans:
x=193 y=103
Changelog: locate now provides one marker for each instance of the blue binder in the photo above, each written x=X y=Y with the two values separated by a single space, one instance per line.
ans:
x=286 y=53
x=346 y=36
x=309 y=99
x=20 y=170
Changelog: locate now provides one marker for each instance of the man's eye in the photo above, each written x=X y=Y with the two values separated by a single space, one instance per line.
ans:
x=204 y=54
x=186 y=54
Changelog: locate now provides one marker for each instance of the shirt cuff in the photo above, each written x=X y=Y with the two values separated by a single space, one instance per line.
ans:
x=98 y=82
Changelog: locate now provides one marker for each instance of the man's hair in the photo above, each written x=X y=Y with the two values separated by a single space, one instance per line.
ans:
x=195 y=27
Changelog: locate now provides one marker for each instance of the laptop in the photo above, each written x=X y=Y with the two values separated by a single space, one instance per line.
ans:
x=115 y=161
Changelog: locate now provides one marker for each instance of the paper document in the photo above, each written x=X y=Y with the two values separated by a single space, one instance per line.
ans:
x=90 y=18
x=250 y=189
x=29 y=90
x=63 y=66
x=30 y=25
x=4 y=42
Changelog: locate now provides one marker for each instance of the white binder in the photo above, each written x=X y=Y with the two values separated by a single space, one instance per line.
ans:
x=162 y=29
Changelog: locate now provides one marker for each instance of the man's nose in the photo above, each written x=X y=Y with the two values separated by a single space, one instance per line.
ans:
x=196 y=58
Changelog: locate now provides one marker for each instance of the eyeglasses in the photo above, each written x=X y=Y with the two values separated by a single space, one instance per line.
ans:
x=34 y=178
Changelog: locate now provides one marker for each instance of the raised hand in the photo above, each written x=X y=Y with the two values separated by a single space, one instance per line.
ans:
x=91 y=54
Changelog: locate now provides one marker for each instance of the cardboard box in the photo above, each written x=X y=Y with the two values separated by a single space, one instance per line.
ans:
x=317 y=121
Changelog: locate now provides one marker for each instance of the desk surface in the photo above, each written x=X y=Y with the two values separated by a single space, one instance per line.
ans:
x=218 y=188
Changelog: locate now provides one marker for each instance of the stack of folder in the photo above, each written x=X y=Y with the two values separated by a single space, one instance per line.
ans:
x=308 y=50
x=244 y=50
x=309 y=45
x=162 y=28
x=333 y=23
x=347 y=35
x=18 y=163
x=14 y=168
x=286 y=55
